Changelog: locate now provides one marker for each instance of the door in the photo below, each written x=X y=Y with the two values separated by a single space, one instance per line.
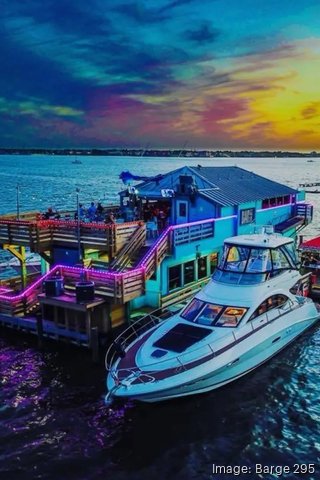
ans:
x=182 y=211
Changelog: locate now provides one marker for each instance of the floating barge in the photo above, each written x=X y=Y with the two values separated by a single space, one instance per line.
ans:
x=137 y=265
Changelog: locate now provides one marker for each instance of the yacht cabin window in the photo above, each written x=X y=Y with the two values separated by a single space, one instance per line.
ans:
x=210 y=314
x=230 y=317
x=275 y=301
x=192 y=309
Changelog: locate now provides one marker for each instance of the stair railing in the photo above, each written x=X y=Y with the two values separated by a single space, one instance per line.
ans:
x=123 y=258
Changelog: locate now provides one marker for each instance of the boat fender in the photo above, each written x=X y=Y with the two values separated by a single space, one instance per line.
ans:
x=119 y=349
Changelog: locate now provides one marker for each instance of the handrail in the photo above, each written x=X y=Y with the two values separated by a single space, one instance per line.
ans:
x=130 y=248
x=132 y=332
x=123 y=286
x=40 y=234
x=120 y=286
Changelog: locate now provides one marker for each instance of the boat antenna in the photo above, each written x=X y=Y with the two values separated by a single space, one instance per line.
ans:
x=183 y=148
x=145 y=149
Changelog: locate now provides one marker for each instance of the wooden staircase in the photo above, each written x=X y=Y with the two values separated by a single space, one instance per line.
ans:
x=128 y=253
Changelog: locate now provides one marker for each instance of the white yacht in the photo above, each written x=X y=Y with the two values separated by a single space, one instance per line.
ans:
x=251 y=309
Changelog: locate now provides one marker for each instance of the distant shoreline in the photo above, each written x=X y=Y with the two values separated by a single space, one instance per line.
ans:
x=138 y=152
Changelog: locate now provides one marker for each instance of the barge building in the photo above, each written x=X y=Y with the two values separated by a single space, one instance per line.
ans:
x=113 y=272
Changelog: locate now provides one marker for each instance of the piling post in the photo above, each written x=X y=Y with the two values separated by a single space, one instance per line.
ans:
x=94 y=343
x=40 y=331
x=300 y=240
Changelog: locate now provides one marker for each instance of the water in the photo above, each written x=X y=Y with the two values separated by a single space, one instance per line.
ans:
x=53 y=423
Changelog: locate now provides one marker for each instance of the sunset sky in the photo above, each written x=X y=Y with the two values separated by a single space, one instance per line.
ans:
x=220 y=74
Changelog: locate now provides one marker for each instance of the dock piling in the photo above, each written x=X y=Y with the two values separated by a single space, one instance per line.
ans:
x=94 y=337
x=40 y=331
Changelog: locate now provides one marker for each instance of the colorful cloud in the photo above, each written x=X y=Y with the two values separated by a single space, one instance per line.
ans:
x=160 y=72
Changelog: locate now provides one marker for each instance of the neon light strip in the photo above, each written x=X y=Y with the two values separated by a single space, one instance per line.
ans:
x=176 y=227
x=68 y=223
x=109 y=274
x=103 y=274
x=274 y=208
x=65 y=269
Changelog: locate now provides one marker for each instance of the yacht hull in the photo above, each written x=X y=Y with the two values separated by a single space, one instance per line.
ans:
x=228 y=368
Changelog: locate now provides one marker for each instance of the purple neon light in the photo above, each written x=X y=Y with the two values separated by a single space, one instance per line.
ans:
x=65 y=269
x=176 y=227
x=273 y=208
x=103 y=274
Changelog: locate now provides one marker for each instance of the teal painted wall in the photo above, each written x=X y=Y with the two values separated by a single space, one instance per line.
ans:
x=226 y=226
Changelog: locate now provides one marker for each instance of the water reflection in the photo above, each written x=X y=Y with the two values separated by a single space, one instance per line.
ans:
x=54 y=423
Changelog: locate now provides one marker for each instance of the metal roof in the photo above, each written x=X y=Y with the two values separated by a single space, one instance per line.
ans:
x=237 y=186
x=225 y=186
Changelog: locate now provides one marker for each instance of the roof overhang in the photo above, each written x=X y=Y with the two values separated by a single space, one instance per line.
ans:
x=313 y=244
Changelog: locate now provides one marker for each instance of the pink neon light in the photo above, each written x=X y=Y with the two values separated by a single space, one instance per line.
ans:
x=273 y=208
x=176 y=227
x=101 y=273
x=66 y=269
x=68 y=223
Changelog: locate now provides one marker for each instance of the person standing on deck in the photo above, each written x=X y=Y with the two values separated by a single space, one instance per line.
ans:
x=92 y=212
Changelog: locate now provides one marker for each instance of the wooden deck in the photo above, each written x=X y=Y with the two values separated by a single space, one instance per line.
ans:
x=41 y=235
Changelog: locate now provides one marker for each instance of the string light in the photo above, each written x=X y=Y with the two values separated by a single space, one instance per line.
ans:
x=93 y=273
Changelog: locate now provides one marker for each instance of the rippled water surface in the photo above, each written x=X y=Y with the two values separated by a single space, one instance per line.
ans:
x=53 y=423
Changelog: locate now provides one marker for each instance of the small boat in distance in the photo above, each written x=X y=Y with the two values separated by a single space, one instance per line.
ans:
x=253 y=307
x=76 y=161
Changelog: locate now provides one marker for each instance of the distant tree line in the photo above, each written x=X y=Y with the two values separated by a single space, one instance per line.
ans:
x=139 y=152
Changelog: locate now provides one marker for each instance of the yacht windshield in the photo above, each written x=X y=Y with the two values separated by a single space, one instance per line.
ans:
x=241 y=259
x=211 y=314
x=192 y=310
x=236 y=258
x=251 y=265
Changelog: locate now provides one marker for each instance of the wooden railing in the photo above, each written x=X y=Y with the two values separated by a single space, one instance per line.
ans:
x=156 y=254
x=193 y=232
x=126 y=254
x=183 y=294
x=20 y=304
x=304 y=210
x=42 y=234
x=119 y=287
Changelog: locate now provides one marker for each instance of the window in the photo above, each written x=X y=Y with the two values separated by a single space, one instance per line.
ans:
x=291 y=252
x=231 y=317
x=182 y=209
x=237 y=257
x=279 y=260
x=209 y=314
x=192 y=310
x=202 y=267
x=247 y=216
x=276 y=301
x=175 y=280
x=213 y=315
x=213 y=262
x=259 y=261
x=276 y=201
x=189 y=272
